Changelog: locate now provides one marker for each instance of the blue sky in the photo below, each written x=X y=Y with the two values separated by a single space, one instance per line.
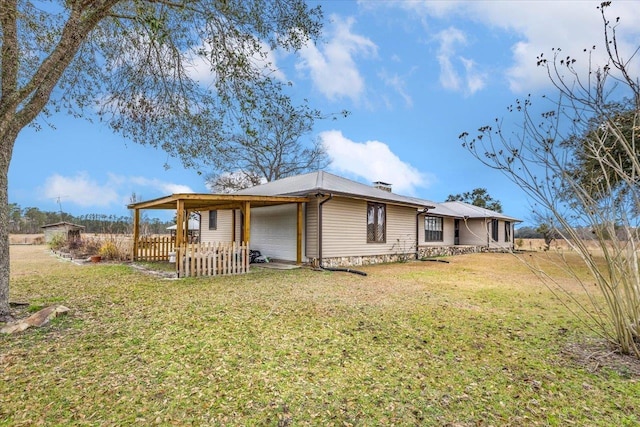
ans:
x=413 y=74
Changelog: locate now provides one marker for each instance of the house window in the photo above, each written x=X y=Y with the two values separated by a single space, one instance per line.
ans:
x=376 y=223
x=507 y=231
x=494 y=230
x=433 y=229
x=213 y=220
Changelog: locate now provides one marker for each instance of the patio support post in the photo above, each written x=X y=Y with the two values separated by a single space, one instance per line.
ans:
x=246 y=227
x=179 y=223
x=299 y=236
x=136 y=233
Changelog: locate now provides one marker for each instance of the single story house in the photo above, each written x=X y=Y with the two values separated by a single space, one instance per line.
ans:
x=458 y=227
x=345 y=222
x=324 y=219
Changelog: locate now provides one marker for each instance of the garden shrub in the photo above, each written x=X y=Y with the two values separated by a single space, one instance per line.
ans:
x=109 y=250
x=57 y=242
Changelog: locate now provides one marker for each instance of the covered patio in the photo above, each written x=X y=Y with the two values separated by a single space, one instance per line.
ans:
x=186 y=203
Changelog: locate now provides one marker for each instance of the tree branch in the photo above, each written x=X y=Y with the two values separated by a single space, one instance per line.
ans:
x=10 y=55
x=37 y=91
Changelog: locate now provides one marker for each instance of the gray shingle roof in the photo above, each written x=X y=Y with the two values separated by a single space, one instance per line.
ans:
x=441 y=210
x=466 y=210
x=326 y=183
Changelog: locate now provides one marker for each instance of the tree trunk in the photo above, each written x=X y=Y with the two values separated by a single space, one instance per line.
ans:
x=19 y=107
x=7 y=142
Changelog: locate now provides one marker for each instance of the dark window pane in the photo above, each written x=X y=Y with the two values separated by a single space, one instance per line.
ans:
x=371 y=223
x=213 y=220
x=433 y=231
x=376 y=223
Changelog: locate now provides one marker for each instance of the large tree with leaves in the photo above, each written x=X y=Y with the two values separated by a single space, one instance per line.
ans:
x=585 y=166
x=132 y=62
x=478 y=197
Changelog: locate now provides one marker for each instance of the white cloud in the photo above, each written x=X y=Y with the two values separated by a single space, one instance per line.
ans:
x=399 y=85
x=450 y=78
x=536 y=28
x=475 y=80
x=85 y=191
x=161 y=186
x=80 y=190
x=332 y=66
x=372 y=161
x=449 y=38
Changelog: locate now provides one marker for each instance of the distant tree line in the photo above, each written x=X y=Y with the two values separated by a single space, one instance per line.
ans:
x=31 y=219
x=606 y=231
x=527 y=233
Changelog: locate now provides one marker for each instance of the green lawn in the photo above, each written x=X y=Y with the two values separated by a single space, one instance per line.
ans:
x=477 y=341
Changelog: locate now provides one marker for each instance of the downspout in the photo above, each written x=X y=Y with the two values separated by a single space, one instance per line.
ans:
x=320 y=226
x=424 y=211
x=347 y=270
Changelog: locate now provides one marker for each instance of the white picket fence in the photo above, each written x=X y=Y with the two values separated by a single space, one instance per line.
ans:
x=212 y=259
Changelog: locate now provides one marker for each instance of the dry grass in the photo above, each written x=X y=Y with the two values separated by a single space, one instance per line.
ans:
x=557 y=245
x=26 y=239
x=477 y=341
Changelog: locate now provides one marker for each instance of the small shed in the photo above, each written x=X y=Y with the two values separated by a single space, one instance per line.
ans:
x=65 y=229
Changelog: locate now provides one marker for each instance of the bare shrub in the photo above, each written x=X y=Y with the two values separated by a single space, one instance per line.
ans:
x=579 y=162
x=116 y=247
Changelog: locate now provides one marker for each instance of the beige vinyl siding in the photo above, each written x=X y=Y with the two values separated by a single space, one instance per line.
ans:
x=477 y=231
x=344 y=229
x=222 y=233
x=474 y=231
x=274 y=231
x=448 y=232
x=501 y=236
x=311 y=228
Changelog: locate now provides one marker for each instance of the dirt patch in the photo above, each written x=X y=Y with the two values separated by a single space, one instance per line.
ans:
x=17 y=310
x=598 y=355
x=154 y=272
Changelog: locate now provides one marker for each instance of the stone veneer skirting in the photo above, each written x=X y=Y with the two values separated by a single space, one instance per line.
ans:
x=423 y=252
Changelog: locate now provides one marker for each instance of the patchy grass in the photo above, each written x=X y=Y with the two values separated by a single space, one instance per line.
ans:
x=477 y=341
x=160 y=266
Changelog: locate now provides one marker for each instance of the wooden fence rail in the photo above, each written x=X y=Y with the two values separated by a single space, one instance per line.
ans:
x=211 y=259
x=155 y=248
